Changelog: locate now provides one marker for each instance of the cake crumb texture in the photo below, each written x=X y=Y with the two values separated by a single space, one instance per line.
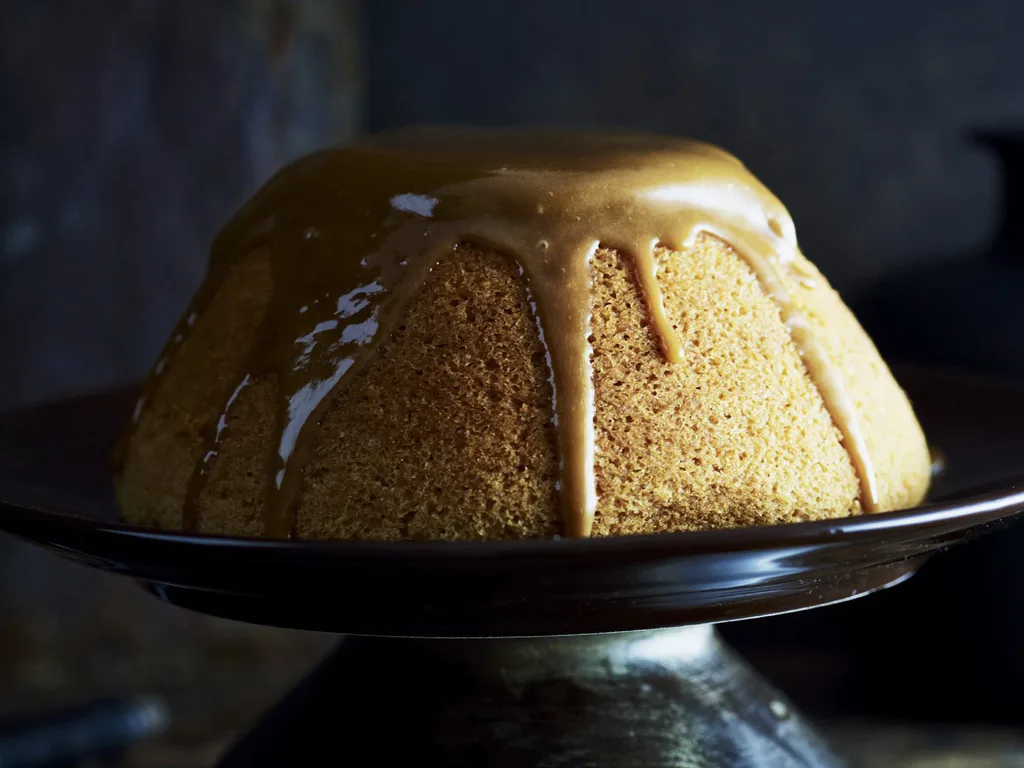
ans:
x=184 y=406
x=448 y=432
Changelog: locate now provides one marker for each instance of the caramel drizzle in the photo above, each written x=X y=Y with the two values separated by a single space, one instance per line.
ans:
x=354 y=232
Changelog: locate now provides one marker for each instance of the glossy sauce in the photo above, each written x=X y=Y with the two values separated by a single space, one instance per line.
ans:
x=353 y=232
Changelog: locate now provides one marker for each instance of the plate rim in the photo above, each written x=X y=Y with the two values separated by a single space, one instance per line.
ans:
x=966 y=510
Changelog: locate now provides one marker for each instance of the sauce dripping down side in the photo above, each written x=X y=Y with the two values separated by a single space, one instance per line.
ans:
x=353 y=233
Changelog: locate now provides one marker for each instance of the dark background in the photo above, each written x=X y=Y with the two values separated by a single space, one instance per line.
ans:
x=130 y=129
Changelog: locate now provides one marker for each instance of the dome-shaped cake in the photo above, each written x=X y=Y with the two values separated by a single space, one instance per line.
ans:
x=467 y=334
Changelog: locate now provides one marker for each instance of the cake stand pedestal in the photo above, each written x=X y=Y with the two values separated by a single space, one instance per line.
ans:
x=670 y=697
x=529 y=653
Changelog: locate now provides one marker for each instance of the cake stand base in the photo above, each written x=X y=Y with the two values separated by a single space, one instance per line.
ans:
x=670 y=697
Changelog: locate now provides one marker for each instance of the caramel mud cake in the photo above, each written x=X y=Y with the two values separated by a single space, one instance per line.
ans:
x=462 y=334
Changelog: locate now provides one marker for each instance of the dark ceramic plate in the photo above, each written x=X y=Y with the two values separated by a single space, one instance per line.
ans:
x=54 y=491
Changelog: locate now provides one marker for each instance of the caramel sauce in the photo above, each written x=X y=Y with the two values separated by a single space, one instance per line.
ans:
x=353 y=232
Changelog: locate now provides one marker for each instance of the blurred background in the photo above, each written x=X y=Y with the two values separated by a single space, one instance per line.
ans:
x=131 y=129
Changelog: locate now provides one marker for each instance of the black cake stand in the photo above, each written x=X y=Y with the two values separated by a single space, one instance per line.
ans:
x=542 y=653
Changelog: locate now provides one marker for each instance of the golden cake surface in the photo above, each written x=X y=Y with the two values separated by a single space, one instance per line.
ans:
x=465 y=334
